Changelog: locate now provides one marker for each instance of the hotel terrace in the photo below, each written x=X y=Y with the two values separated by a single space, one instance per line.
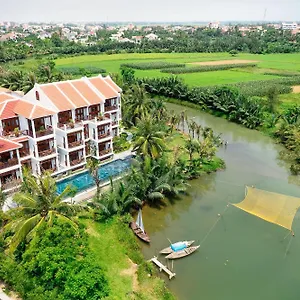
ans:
x=56 y=126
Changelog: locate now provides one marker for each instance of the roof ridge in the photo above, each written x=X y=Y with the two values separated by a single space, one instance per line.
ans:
x=56 y=85
x=85 y=99
x=93 y=87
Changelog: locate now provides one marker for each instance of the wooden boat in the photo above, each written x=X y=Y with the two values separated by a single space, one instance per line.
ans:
x=169 y=250
x=182 y=253
x=138 y=228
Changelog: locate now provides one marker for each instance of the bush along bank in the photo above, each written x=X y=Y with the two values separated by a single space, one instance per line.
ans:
x=252 y=112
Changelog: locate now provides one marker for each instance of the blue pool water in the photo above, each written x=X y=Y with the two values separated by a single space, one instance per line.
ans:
x=84 y=180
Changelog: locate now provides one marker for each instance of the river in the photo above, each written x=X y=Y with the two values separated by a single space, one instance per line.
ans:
x=243 y=257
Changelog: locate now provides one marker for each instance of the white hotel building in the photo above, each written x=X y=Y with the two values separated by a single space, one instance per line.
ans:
x=56 y=126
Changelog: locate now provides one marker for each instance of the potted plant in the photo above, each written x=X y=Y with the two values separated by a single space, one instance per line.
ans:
x=71 y=122
x=17 y=131
x=100 y=116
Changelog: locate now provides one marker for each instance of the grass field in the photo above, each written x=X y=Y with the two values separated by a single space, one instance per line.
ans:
x=267 y=63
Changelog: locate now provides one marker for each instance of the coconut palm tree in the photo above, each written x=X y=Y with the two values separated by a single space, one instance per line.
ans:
x=192 y=146
x=137 y=104
x=198 y=130
x=93 y=166
x=148 y=138
x=38 y=203
x=183 y=118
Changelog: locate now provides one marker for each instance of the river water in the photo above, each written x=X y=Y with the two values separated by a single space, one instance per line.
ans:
x=243 y=257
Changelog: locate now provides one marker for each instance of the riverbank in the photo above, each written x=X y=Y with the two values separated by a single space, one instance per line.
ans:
x=116 y=249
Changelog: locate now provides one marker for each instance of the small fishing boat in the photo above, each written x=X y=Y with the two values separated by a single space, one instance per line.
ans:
x=138 y=228
x=182 y=253
x=176 y=246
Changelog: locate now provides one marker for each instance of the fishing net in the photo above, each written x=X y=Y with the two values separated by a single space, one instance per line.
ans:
x=272 y=207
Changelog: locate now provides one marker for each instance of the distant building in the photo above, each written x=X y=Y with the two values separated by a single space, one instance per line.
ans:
x=289 y=26
x=214 y=25
x=151 y=37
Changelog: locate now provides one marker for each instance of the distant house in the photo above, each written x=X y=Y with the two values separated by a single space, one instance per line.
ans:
x=289 y=26
x=151 y=37
x=137 y=38
x=214 y=25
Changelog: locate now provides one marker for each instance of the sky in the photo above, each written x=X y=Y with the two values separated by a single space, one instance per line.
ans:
x=148 y=11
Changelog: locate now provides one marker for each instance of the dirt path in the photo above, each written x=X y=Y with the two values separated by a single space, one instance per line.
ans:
x=4 y=296
x=223 y=62
x=131 y=271
x=296 y=89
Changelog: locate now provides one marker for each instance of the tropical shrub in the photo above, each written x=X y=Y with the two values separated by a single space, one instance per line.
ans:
x=81 y=71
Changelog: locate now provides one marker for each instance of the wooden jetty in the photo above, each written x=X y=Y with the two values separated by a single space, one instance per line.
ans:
x=162 y=267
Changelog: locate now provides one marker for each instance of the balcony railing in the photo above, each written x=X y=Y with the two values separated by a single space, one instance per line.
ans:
x=69 y=125
x=15 y=134
x=114 y=123
x=46 y=152
x=52 y=170
x=82 y=118
x=76 y=161
x=104 y=135
x=41 y=132
x=104 y=152
x=11 y=162
x=75 y=144
x=11 y=184
x=24 y=152
x=109 y=108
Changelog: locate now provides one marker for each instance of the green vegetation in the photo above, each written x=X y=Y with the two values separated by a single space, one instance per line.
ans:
x=196 y=69
x=88 y=70
x=120 y=143
x=152 y=65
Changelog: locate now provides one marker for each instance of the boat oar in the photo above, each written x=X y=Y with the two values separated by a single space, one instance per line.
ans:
x=169 y=241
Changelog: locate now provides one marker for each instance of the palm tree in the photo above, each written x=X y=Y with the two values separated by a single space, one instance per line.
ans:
x=192 y=127
x=159 y=109
x=137 y=104
x=183 y=118
x=37 y=204
x=93 y=166
x=198 y=130
x=192 y=146
x=148 y=139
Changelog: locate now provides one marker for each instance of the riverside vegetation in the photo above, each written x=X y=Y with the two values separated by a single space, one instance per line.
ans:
x=52 y=249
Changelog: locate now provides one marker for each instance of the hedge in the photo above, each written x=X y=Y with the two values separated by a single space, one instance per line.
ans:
x=152 y=65
x=81 y=71
x=182 y=70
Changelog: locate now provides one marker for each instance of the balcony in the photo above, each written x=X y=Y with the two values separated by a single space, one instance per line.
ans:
x=76 y=161
x=41 y=132
x=109 y=108
x=104 y=152
x=15 y=134
x=46 y=152
x=75 y=144
x=104 y=135
x=24 y=152
x=114 y=123
x=11 y=184
x=69 y=125
x=11 y=162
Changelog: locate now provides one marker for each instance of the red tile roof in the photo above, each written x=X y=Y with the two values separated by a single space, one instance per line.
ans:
x=72 y=94
x=103 y=87
x=87 y=92
x=6 y=145
x=57 y=97
x=108 y=80
x=31 y=111
x=7 y=109
x=21 y=139
x=5 y=97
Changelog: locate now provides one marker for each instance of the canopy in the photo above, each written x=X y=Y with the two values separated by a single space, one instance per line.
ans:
x=272 y=207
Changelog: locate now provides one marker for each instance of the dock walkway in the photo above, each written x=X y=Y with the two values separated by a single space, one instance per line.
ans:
x=162 y=267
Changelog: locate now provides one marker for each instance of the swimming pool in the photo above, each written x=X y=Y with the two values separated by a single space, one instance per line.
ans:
x=84 y=180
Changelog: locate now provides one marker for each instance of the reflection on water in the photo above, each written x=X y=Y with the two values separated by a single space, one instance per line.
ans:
x=244 y=257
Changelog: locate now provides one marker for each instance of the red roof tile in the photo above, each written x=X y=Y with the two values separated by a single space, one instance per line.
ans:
x=87 y=92
x=108 y=80
x=6 y=145
x=31 y=111
x=57 y=97
x=103 y=87
x=7 y=109
x=72 y=94
x=4 y=97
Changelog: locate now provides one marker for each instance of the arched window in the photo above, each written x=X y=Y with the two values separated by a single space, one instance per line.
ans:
x=37 y=95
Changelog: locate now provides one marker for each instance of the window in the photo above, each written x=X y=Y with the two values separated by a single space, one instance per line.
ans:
x=37 y=95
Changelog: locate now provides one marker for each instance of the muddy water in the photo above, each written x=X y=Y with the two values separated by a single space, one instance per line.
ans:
x=242 y=257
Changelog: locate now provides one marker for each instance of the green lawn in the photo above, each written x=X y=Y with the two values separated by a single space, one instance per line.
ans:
x=115 y=247
x=111 y=63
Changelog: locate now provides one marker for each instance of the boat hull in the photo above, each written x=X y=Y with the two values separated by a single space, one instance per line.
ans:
x=139 y=233
x=182 y=253
x=169 y=250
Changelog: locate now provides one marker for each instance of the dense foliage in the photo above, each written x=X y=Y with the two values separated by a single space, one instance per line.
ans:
x=269 y=40
x=86 y=71
x=55 y=265
x=196 y=69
